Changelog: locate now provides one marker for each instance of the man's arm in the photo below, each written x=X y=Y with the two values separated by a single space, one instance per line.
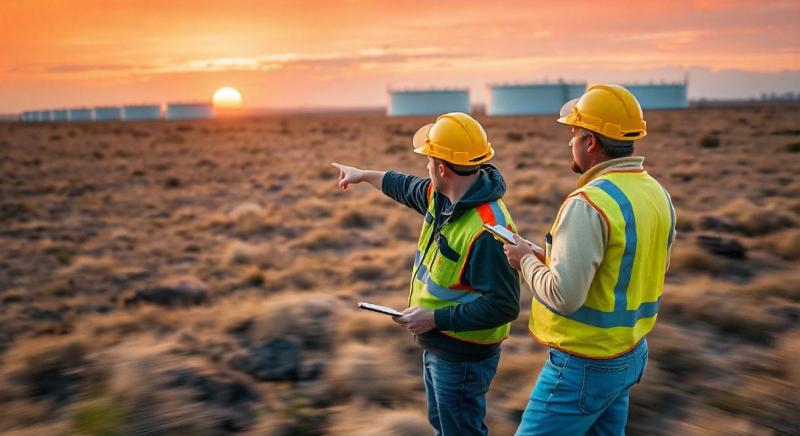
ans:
x=488 y=272
x=409 y=190
x=577 y=250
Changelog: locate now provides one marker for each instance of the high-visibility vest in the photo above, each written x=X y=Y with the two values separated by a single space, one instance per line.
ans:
x=624 y=296
x=438 y=275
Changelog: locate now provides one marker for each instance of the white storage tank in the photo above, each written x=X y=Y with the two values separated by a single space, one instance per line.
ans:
x=531 y=98
x=80 y=114
x=428 y=101
x=189 y=111
x=107 y=113
x=141 y=112
x=58 y=115
x=660 y=95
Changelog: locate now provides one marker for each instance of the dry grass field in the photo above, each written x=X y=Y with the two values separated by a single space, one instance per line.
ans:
x=200 y=277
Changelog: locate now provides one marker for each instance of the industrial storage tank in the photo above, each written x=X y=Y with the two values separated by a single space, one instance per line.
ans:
x=189 y=111
x=107 y=113
x=80 y=114
x=27 y=116
x=58 y=115
x=45 y=116
x=531 y=98
x=428 y=101
x=660 y=95
x=141 y=112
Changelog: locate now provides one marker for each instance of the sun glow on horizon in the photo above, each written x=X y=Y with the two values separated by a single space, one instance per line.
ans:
x=227 y=98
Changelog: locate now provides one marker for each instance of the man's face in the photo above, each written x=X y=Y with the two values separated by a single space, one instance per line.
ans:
x=578 y=144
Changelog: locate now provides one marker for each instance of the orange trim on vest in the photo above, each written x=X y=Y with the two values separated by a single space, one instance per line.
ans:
x=547 y=344
x=603 y=214
x=487 y=216
x=486 y=213
x=430 y=192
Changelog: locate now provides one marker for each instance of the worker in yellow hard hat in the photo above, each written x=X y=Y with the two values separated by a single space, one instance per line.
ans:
x=597 y=284
x=463 y=292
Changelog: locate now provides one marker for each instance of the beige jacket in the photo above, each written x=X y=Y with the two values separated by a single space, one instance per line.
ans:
x=579 y=248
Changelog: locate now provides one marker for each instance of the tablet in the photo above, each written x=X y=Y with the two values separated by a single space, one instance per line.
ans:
x=380 y=309
x=501 y=233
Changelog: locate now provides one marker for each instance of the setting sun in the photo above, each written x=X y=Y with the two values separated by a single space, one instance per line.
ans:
x=227 y=98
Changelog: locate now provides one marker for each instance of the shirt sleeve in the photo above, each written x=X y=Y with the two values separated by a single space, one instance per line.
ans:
x=488 y=272
x=576 y=252
x=406 y=189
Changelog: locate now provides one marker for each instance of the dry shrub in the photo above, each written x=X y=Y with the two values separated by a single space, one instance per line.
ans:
x=709 y=141
x=250 y=218
x=703 y=421
x=689 y=257
x=784 y=285
x=308 y=318
x=753 y=220
x=314 y=208
x=369 y=374
x=788 y=351
x=86 y=265
x=785 y=244
x=253 y=277
x=47 y=369
x=355 y=219
x=151 y=391
x=325 y=239
x=243 y=253
x=367 y=327
x=380 y=422
x=399 y=226
x=770 y=402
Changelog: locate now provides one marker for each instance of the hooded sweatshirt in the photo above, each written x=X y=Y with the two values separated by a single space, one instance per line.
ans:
x=487 y=269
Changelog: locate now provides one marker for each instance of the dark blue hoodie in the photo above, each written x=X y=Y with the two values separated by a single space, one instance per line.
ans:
x=487 y=269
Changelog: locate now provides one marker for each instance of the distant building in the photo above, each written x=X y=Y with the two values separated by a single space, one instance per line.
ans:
x=532 y=98
x=428 y=102
x=58 y=115
x=189 y=111
x=141 y=112
x=45 y=116
x=80 y=114
x=107 y=113
x=660 y=95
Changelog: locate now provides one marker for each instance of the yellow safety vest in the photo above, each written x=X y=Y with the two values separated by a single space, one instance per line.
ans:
x=623 y=299
x=437 y=278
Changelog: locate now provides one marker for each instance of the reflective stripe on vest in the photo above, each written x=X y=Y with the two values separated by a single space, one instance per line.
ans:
x=631 y=273
x=440 y=262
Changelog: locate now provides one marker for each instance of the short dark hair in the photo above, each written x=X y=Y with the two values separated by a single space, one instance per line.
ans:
x=614 y=148
x=461 y=170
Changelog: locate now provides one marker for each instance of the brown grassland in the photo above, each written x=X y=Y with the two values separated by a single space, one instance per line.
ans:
x=201 y=277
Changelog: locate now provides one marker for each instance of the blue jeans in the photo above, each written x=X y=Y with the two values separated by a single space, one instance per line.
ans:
x=457 y=394
x=575 y=395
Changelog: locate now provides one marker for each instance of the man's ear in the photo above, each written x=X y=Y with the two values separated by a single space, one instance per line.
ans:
x=594 y=144
x=442 y=169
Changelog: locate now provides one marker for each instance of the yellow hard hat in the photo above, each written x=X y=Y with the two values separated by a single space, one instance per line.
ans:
x=456 y=138
x=610 y=110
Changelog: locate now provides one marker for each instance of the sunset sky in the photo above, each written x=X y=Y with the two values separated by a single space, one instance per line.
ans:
x=345 y=53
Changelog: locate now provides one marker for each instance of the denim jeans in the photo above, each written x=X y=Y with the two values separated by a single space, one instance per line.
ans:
x=576 y=395
x=456 y=394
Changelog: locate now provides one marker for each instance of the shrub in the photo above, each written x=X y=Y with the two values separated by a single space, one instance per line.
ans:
x=370 y=374
x=709 y=141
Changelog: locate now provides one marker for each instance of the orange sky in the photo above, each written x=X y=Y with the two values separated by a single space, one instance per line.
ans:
x=345 y=53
